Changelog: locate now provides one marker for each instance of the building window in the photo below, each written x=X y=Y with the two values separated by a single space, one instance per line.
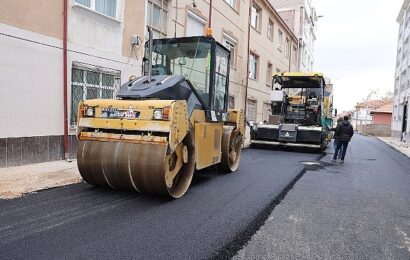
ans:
x=269 y=74
x=253 y=66
x=251 y=110
x=231 y=102
x=91 y=84
x=157 y=17
x=195 y=25
x=279 y=39
x=266 y=111
x=255 y=17
x=287 y=47
x=232 y=3
x=294 y=55
x=230 y=44
x=106 y=7
x=270 y=30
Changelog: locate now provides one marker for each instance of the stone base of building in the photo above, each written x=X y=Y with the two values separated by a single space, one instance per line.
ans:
x=398 y=134
x=376 y=130
x=19 y=151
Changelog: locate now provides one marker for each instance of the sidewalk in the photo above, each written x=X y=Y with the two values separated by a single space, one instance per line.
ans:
x=356 y=210
x=16 y=181
x=395 y=143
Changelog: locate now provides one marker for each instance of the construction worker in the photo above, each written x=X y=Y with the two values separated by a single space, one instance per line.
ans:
x=343 y=135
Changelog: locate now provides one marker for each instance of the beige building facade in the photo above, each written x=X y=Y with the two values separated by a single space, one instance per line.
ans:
x=259 y=40
x=99 y=58
x=105 y=47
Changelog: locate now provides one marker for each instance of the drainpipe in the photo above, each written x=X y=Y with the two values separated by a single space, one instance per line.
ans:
x=66 y=143
x=210 y=14
x=290 y=54
x=248 y=48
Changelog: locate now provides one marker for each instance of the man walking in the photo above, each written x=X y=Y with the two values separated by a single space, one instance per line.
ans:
x=339 y=120
x=343 y=134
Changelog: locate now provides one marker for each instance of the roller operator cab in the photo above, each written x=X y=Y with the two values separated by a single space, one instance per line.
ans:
x=165 y=125
x=301 y=106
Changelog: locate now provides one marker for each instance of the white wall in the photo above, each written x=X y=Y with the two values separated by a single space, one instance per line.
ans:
x=31 y=85
x=92 y=29
x=31 y=80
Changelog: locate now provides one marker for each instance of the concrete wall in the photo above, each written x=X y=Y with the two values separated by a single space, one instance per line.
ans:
x=31 y=76
x=40 y=16
x=375 y=129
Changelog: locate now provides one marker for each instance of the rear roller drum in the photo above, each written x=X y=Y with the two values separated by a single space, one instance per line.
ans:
x=232 y=142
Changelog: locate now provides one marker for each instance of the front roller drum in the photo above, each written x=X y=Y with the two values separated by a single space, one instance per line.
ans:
x=146 y=167
x=232 y=142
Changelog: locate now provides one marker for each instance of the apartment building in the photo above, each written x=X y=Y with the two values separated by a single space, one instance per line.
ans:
x=259 y=46
x=273 y=48
x=38 y=123
x=43 y=81
x=400 y=126
x=301 y=17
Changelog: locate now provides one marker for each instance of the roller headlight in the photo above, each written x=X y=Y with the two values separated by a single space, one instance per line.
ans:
x=90 y=112
x=157 y=114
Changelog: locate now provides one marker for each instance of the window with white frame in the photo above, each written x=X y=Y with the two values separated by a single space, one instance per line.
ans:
x=91 y=83
x=287 y=47
x=231 y=44
x=251 y=110
x=157 y=17
x=279 y=39
x=255 y=17
x=269 y=74
x=232 y=3
x=270 y=29
x=253 y=66
x=106 y=7
x=195 y=25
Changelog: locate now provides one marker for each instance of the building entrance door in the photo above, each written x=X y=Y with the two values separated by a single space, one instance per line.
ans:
x=404 y=125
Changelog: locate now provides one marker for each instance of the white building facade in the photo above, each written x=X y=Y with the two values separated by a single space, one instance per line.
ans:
x=301 y=17
x=400 y=125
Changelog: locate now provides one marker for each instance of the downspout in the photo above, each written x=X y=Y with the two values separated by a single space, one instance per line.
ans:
x=210 y=14
x=290 y=54
x=247 y=60
x=66 y=143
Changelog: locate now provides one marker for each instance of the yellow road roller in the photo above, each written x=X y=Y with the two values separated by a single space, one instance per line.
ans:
x=164 y=125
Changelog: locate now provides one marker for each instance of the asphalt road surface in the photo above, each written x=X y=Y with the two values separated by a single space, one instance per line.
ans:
x=213 y=220
x=356 y=210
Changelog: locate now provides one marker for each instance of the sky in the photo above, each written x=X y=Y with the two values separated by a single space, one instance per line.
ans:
x=356 y=47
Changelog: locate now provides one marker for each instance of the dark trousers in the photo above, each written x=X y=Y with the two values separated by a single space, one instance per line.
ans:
x=341 y=145
x=335 y=142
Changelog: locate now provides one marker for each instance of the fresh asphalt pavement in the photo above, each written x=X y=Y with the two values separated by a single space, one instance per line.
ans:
x=214 y=219
x=356 y=210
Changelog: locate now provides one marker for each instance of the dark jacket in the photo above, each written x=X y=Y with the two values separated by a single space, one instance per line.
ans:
x=344 y=131
x=334 y=128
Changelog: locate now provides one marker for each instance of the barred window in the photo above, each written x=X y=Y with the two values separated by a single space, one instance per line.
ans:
x=251 y=110
x=91 y=84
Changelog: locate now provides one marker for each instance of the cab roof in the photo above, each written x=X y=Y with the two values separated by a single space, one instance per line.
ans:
x=300 y=79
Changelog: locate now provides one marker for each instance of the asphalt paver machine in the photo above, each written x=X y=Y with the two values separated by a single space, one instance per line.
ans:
x=301 y=116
